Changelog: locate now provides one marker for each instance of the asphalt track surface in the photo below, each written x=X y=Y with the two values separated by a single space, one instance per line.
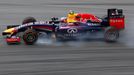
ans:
x=92 y=57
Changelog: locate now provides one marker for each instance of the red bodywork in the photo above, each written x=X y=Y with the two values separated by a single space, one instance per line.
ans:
x=87 y=16
x=117 y=22
x=13 y=40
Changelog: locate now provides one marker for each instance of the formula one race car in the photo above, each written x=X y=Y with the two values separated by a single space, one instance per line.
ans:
x=111 y=25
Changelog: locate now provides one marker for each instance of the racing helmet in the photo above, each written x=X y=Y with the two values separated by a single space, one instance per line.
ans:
x=71 y=12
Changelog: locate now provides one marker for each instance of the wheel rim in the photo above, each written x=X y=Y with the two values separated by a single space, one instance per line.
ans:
x=112 y=36
x=30 y=38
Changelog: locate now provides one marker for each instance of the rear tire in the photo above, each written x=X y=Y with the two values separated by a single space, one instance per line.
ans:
x=111 y=34
x=30 y=37
x=29 y=20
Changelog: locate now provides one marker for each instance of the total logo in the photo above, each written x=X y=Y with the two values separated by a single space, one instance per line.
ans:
x=116 y=21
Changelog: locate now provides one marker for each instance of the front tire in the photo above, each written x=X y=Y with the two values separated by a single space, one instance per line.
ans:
x=111 y=34
x=30 y=37
x=29 y=20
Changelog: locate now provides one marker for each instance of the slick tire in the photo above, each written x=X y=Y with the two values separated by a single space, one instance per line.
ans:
x=30 y=37
x=111 y=34
x=28 y=20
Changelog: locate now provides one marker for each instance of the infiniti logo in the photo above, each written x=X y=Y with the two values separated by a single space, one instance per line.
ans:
x=72 y=30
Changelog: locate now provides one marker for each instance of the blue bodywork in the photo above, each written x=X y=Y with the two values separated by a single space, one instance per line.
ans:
x=78 y=29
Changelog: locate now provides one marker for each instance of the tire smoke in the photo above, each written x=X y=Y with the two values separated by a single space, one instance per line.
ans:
x=127 y=35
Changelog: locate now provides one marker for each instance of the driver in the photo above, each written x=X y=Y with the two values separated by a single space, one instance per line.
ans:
x=71 y=17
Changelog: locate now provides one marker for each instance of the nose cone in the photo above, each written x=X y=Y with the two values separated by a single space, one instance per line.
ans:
x=8 y=31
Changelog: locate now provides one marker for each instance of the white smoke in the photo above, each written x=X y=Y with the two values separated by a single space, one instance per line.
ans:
x=127 y=35
x=80 y=42
x=44 y=40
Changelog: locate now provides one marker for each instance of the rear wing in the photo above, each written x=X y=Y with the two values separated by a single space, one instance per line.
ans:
x=116 y=18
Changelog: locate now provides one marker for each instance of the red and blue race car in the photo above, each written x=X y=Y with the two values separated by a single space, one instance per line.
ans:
x=84 y=24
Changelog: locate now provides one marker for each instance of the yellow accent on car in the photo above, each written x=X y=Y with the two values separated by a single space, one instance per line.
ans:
x=71 y=18
x=10 y=30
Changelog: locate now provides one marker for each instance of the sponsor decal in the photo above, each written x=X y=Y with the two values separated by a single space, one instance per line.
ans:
x=12 y=39
x=30 y=24
x=72 y=30
x=41 y=22
x=115 y=21
x=64 y=27
x=93 y=24
x=25 y=25
x=72 y=35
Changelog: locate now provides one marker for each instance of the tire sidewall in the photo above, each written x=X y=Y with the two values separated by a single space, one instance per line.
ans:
x=111 y=34
x=30 y=33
